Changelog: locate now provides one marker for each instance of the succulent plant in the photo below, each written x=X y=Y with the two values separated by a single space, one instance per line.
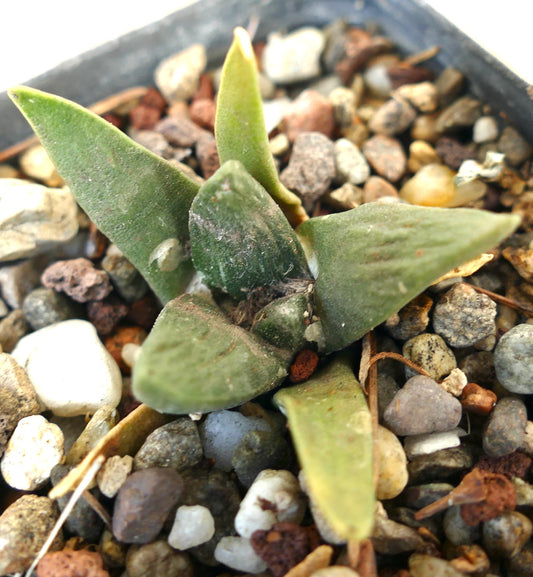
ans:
x=275 y=281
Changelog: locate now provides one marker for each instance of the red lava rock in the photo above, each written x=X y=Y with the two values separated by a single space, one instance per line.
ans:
x=154 y=99
x=115 y=342
x=284 y=546
x=106 y=314
x=203 y=112
x=70 y=563
x=205 y=88
x=144 y=117
x=114 y=119
x=512 y=465
x=386 y=156
x=476 y=399
x=206 y=151
x=144 y=312
x=310 y=112
x=78 y=278
x=303 y=366
x=452 y=152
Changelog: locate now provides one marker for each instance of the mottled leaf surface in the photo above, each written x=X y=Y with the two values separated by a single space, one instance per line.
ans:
x=331 y=429
x=195 y=360
x=138 y=200
x=371 y=261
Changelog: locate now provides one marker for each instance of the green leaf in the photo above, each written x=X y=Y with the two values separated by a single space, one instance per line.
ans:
x=240 y=125
x=371 y=261
x=240 y=239
x=138 y=200
x=331 y=429
x=194 y=360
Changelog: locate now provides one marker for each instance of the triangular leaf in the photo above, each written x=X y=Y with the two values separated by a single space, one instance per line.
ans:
x=240 y=125
x=195 y=360
x=372 y=260
x=136 y=199
x=331 y=429
x=240 y=239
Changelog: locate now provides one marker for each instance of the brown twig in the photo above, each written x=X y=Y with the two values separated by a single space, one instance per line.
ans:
x=397 y=357
x=503 y=300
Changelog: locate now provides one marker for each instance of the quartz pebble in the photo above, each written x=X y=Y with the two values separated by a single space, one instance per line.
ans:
x=432 y=185
x=176 y=445
x=505 y=429
x=144 y=502
x=158 y=559
x=19 y=278
x=485 y=130
x=430 y=352
x=463 y=317
x=391 y=464
x=386 y=156
x=34 y=218
x=294 y=57
x=350 y=163
x=44 y=306
x=506 y=534
x=237 y=553
x=177 y=76
x=70 y=369
x=193 y=525
x=513 y=358
x=113 y=474
x=335 y=571
x=421 y=153
x=425 y=444
x=455 y=382
x=274 y=110
x=35 y=448
x=25 y=525
x=422 y=406
x=281 y=490
x=222 y=431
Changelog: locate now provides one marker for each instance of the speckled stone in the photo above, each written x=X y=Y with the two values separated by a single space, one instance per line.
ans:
x=310 y=112
x=344 y=101
x=350 y=164
x=176 y=445
x=113 y=474
x=506 y=427
x=446 y=465
x=393 y=117
x=157 y=559
x=513 y=358
x=386 y=156
x=177 y=76
x=506 y=534
x=411 y=320
x=13 y=327
x=516 y=149
x=44 y=306
x=126 y=279
x=430 y=352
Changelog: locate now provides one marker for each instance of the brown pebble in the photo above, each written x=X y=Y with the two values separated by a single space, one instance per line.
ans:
x=115 y=342
x=310 y=112
x=477 y=400
x=206 y=151
x=144 y=117
x=386 y=156
x=12 y=328
x=154 y=99
x=205 y=88
x=402 y=74
x=449 y=85
x=471 y=560
x=114 y=119
x=393 y=117
x=203 y=113
x=179 y=131
x=461 y=114
x=144 y=312
x=71 y=563
x=106 y=314
x=452 y=153
x=303 y=366
x=377 y=187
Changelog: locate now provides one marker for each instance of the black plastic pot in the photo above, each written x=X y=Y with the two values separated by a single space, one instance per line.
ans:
x=131 y=59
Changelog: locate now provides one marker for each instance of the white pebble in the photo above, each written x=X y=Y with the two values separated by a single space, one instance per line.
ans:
x=350 y=164
x=455 y=382
x=237 y=553
x=178 y=75
x=113 y=474
x=281 y=489
x=425 y=444
x=274 y=111
x=485 y=130
x=34 y=449
x=221 y=433
x=193 y=525
x=70 y=369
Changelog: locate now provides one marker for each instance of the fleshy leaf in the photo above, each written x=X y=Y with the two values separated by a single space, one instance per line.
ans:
x=240 y=239
x=331 y=429
x=371 y=261
x=194 y=360
x=240 y=125
x=138 y=200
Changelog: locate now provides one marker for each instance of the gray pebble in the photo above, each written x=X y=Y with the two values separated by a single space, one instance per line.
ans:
x=419 y=496
x=153 y=141
x=456 y=530
x=513 y=358
x=505 y=430
x=44 y=306
x=144 y=502
x=462 y=113
x=411 y=320
x=516 y=149
x=479 y=368
x=463 y=317
x=12 y=328
x=18 y=279
x=350 y=164
x=177 y=76
x=179 y=131
x=311 y=167
x=393 y=117
x=176 y=445
x=157 y=559
x=444 y=465
x=387 y=388
x=126 y=279
x=260 y=450
x=449 y=84
x=430 y=352
x=421 y=565
x=505 y=535
x=392 y=538
x=485 y=129
x=422 y=406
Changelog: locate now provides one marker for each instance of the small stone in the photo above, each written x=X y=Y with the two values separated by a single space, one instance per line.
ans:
x=44 y=306
x=419 y=496
x=461 y=114
x=479 y=368
x=279 y=145
x=106 y=314
x=426 y=444
x=65 y=353
x=462 y=316
x=452 y=153
x=454 y=383
x=13 y=327
x=516 y=149
x=485 y=130
x=311 y=167
x=34 y=449
x=157 y=559
x=113 y=552
x=522 y=563
x=34 y=218
x=153 y=141
x=237 y=553
x=392 y=538
x=274 y=110
x=3 y=309
x=391 y=465
x=222 y=432
x=423 y=95
x=126 y=279
x=179 y=131
x=144 y=502
x=477 y=400
x=344 y=102
x=387 y=388
x=273 y=497
x=513 y=358
x=346 y=197
x=72 y=562
x=393 y=117
x=386 y=156
x=25 y=525
x=504 y=536
x=206 y=152
x=421 y=565
x=449 y=84
x=411 y=320
x=36 y=164
x=177 y=77
x=522 y=260
x=310 y=112
x=512 y=465
x=377 y=188
x=143 y=117
x=445 y=465
x=119 y=339
x=335 y=571
x=294 y=57
x=423 y=128
x=432 y=185
x=422 y=406
x=193 y=525
x=421 y=153
x=203 y=111
x=113 y=474
x=377 y=79
x=176 y=445
x=506 y=427
x=350 y=164
x=103 y=420
x=430 y=352
x=455 y=528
